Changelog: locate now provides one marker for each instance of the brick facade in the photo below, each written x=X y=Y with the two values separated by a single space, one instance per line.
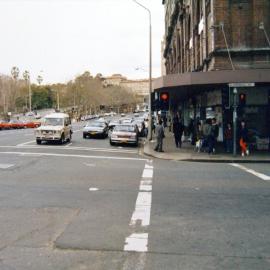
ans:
x=197 y=31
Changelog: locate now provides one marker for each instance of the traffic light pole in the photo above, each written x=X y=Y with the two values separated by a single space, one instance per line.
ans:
x=234 y=121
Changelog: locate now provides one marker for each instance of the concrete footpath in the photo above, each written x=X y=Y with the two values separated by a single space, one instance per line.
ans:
x=187 y=153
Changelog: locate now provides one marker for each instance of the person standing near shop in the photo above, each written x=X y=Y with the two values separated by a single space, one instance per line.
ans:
x=160 y=136
x=228 y=135
x=243 y=138
x=213 y=136
x=177 y=130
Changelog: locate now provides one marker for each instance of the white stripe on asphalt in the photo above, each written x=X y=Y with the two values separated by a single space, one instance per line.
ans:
x=6 y=166
x=260 y=175
x=70 y=148
x=147 y=173
x=138 y=242
x=23 y=144
x=72 y=156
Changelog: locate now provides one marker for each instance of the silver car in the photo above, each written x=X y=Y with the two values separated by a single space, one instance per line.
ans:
x=124 y=133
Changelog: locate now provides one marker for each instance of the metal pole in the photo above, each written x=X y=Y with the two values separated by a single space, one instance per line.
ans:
x=58 y=106
x=234 y=121
x=150 y=69
x=30 y=95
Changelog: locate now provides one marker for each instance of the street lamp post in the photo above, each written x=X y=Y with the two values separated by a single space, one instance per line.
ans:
x=150 y=68
x=26 y=76
x=234 y=121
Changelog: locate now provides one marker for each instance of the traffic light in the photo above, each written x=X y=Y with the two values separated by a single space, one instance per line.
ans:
x=242 y=99
x=164 y=96
x=164 y=101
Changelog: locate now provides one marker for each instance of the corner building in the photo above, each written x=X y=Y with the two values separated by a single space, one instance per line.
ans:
x=210 y=44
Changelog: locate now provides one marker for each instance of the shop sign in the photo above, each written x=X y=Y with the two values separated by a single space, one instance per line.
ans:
x=236 y=85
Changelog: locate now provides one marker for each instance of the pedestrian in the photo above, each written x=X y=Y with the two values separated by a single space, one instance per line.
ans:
x=243 y=135
x=212 y=138
x=228 y=135
x=178 y=131
x=199 y=137
x=206 y=133
x=146 y=125
x=160 y=136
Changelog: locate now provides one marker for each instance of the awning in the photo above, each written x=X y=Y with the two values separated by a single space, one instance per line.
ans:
x=211 y=78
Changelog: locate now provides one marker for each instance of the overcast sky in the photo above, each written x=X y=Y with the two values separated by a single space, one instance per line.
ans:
x=63 y=38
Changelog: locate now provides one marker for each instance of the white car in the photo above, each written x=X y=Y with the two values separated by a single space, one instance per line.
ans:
x=126 y=134
x=55 y=127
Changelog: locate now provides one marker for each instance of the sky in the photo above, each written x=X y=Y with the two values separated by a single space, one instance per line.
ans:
x=61 y=39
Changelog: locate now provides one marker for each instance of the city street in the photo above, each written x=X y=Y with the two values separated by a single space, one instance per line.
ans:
x=86 y=205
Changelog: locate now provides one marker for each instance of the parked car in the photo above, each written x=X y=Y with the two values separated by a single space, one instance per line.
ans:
x=16 y=124
x=125 y=133
x=56 y=127
x=96 y=128
x=4 y=124
x=31 y=124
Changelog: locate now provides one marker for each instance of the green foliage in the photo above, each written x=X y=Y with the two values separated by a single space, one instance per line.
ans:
x=41 y=97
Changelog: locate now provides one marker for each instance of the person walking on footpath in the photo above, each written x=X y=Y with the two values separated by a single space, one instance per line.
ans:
x=177 y=131
x=160 y=136
x=243 y=135
x=228 y=135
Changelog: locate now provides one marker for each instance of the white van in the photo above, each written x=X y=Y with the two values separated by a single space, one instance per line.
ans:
x=55 y=127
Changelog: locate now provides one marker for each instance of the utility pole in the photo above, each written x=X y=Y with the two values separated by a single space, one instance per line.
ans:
x=150 y=69
x=234 y=121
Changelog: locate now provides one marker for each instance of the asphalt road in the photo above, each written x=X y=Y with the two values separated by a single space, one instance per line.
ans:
x=88 y=205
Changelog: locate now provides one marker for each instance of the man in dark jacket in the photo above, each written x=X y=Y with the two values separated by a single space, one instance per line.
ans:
x=178 y=131
x=213 y=136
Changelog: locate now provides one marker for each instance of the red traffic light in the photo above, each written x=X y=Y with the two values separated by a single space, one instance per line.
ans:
x=164 y=96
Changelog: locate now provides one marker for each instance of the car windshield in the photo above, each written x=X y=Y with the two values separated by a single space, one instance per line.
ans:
x=53 y=122
x=95 y=124
x=125 y=128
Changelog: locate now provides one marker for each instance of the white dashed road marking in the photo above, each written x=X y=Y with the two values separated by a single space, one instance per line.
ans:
x=138 y=242
x=6 y=166
x=23 y=144
x=260 y=175
x=93 y=189
x=72 y=156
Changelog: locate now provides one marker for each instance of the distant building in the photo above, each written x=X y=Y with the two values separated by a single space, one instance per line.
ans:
x=209 y=44
x=139 y=87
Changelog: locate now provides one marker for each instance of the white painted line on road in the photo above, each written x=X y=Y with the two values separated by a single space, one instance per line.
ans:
x=23 y=144
x=6 y=166
x=93 y=189
x=147 y=173
x=137 y=242
x=72 y=156
x=68 y=145
x=145 y=187
x=90 y=164
x=259 y=175
x=108 y=150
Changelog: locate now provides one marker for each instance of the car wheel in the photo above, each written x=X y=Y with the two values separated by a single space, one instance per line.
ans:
x=112 y=143
x=38 y=141
x=84 y=136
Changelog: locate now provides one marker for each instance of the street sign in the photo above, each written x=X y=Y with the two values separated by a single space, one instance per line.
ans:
x=236 y=85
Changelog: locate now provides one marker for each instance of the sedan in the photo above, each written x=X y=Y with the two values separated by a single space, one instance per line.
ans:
x=126 y=134
x=96 y=128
